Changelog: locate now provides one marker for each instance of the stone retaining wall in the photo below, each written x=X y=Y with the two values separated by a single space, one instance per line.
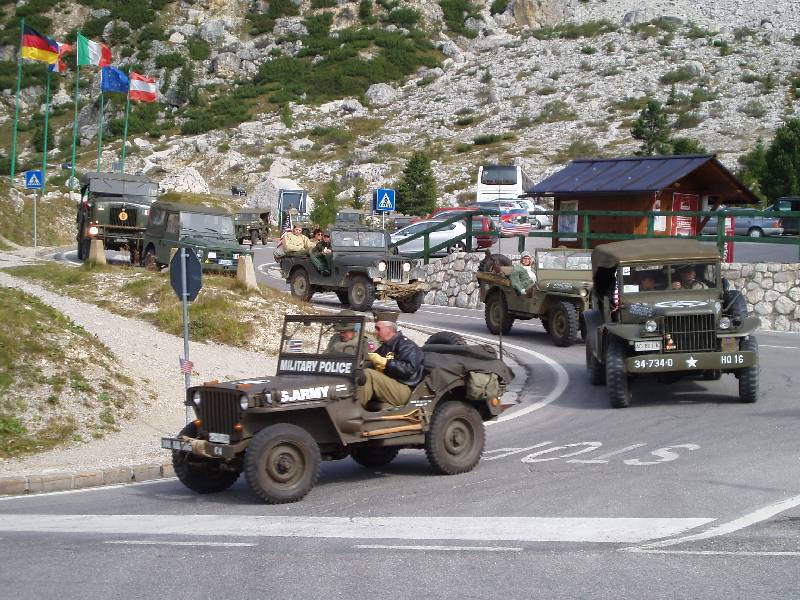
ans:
x=772 y=289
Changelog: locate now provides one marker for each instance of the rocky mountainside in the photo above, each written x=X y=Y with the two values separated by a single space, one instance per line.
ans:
x=268 y=94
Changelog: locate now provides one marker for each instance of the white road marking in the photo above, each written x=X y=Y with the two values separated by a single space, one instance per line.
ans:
x=602 y=458
x=88 y=489
x=168 y=543
x=716 y=552
x=782 y=347
x=511 y=451
x=475 y=529
x=441 y=548
x=756 y=516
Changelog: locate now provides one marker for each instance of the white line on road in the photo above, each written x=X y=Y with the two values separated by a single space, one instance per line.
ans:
x=716 y=552
x=756 y=516
x=412 y=528
x=441 y=548
x=168 y=543
x=781 y=347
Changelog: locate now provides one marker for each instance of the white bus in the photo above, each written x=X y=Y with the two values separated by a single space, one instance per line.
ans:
x=501 y=181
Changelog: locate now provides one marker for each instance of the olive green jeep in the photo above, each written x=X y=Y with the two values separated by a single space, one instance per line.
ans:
x=251 y=225
x=660 y=308
x=561 y=295
x=277 y=429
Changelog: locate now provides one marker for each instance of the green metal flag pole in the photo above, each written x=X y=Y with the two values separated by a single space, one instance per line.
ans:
x=77 y=92
x=16 y=110
x=46 y=125
x=125 y=133
x=100 y=133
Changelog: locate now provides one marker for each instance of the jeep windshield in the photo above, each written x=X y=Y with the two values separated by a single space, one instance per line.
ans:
x=683 y=276
x=570 y=261
x=358 y=239
x=200 y=223
x=311 y=345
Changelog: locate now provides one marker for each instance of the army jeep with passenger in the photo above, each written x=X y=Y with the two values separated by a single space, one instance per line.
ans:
x=277 y=429
x=361 y=270
x=114 y=208
x=661 y=308
x=563 y=283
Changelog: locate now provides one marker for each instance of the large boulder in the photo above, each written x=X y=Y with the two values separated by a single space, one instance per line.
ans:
x=226 y=65
x=381 y=94
x=186 y=179
x=265 y=194
x=539 y=13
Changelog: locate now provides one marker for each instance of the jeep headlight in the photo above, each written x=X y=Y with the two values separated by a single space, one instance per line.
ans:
x=268 y=397
x=196 y=398
x=724 y=323
x=650 y=326
x=381 y=266
x=406 y=267
x=93 y=230
x=583 y=292
x=244 y=401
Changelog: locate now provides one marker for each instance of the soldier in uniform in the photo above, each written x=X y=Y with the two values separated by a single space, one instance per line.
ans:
x=345 y=340
x=688 y=279
x=397 y=365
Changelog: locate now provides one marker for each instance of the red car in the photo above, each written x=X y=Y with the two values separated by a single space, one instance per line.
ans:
x=480 y=224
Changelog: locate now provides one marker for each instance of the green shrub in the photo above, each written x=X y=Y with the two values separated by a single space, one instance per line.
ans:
x=677 y=75
x=93 y=28
x=546 y=90
x=724 y=47
x=331 y=135
x=286 y=116
x=700 y=95
x=498 y=7
x=32 y=74
x=578 y=149
x=487 y=139
x=754 y=109
x=574 y=31
x=151 y=32
x=687 y=120
x=318 y=25
x=365 y=12
x=323 y=3
x=456 y=12
x=588 y=50
x=137 y=14
x=464 y=121
x=796 y=40
x=198 y=48
x=172 y=60
x=404 y=17
x=556 y=110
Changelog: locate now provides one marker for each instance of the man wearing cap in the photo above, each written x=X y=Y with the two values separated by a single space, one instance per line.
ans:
x=523 y=276
x=345 y=340
x=688 y=279
x=397 y=364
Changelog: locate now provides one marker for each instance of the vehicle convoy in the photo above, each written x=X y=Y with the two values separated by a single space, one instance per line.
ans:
x=561 y=295
x=207 y=231
x=362 y=269
x=278 y=429
x=661 y=308
x=114 y=208
x=251 y=224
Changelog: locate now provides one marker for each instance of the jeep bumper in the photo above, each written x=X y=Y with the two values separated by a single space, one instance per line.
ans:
x=400 y=290
x=203 y=447
x=690 y=361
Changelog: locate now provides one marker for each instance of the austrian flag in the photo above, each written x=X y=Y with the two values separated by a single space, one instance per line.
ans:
x=142 y=88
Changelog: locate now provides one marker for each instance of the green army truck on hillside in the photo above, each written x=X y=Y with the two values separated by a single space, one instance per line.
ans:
x=114 y=208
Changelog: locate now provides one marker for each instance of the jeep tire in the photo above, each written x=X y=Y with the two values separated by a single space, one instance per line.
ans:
x=496 y=314
x=301 y=285
x=748 y=377
x=597 y=375
x=253 y=238
x=446 y=337
x=456 y=438
x=361 y=293
x=411 y=304
x=617 y=382
x=149 y=260
x=282 y=463
x=563 y=321
x=199 y=474
x=373 y=457
x=84 y=244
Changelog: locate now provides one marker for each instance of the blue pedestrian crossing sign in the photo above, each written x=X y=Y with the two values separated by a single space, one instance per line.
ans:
x=384 y=200
x=33 y=180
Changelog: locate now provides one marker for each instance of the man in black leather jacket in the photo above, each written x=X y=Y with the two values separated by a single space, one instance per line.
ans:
x=398 y=365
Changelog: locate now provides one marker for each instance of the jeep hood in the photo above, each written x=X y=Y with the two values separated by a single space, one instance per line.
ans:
x=214 y=243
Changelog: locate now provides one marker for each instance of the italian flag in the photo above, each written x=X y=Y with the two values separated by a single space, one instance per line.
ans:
x=142 y=88
x=93 y=53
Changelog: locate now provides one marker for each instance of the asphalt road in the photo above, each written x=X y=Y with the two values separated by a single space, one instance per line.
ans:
x=686 y=494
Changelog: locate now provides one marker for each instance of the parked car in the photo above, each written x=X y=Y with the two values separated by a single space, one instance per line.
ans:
x=538 y=220
x=513 y=218
x=754 y=226
x=482 y=225
x=440 y=236
x=791 y=225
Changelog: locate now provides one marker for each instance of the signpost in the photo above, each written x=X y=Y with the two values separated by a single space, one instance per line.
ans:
x=384 y=202
x=186 y=278
x=34 y=181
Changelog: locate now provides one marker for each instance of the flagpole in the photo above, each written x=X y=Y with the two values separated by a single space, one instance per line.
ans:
x=100 y=132
x=125 y=134
x=77 y=91
x=16 y=110
x=46 y=125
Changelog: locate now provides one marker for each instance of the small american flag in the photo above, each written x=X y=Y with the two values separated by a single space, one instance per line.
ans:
x=295 y=346
x=515 y=228
x=616 y=295
x=186 y=366
x=287 y=223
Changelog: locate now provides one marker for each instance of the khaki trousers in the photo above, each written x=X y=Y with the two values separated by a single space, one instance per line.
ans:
x=383 y=388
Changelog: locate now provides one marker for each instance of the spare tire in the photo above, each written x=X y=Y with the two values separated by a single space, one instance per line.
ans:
x=446 y=337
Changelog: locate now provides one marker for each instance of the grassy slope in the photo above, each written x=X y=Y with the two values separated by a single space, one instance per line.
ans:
x=55 y=220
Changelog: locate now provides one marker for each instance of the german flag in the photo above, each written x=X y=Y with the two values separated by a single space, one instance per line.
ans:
x=36 y=46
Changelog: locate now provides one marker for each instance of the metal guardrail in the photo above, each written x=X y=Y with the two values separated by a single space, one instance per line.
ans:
x=586 y=235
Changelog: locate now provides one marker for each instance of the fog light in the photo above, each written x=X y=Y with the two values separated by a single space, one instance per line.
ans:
x=244 y=402
x=381 y=266
x=724 y=323
x=196 y=398
x=406 y=267
x=93 y=230
x=650 y=326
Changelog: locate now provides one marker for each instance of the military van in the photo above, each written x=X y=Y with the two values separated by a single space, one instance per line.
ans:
x=661 y=309
x=208 y=231
x=278 y=428
x=251 y=224
x=114 y=208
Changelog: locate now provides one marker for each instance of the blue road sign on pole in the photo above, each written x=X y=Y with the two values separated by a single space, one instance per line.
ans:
x=33 y=180
x=384 y=200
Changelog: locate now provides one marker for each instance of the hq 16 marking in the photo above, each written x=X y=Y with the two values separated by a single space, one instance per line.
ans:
x=569 y=452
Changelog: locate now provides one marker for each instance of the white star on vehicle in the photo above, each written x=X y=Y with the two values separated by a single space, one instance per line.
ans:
x=691 y=362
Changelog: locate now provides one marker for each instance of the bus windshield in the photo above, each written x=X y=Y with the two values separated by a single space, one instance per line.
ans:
x=498 y=175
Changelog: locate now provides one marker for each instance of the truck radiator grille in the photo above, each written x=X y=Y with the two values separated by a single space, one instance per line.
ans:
x=219 y=410
x=692 y=333
x=115 y=221
x=394 y=271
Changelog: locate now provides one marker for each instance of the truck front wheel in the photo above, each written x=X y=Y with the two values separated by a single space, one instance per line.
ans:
x=301 y=286
x=748 y=377
x=616 y=378
x=361 y=293
x=199 y=474
x=496 y=315
x=456 y=438
x=411 y=304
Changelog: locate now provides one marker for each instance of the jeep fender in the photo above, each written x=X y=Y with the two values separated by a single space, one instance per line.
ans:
x=631 y=332
x=748 y=326
x=594 y=327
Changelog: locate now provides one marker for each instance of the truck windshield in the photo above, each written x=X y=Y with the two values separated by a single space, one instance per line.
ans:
x=214 y=223
x=653 y=278
x=146 y=200
x=292 y=200
x=358 y=239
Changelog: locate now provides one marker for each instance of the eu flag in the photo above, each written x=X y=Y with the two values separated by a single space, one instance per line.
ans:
x=114 y=80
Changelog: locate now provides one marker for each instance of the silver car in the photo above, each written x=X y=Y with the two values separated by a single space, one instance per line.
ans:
x=751 y=225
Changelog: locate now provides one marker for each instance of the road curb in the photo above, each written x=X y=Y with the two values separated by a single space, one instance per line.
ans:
x=22 y=485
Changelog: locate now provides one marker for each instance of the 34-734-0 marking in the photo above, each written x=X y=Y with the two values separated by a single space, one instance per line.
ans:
x=546 y=452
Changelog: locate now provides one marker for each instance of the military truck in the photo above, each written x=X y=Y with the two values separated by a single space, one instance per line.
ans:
x=563 y=284
x=362 y=269
x=208 y=231
x=114 y=208
x=660 y=308
x=277 y=429
x=251 y=224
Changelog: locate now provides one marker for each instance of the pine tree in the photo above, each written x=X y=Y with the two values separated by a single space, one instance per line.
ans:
x=416 y=190
x=686 y=145
x=753 y=168
x=325 y=208
x=184 y=87
x=652 y=129
x=782 y=163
